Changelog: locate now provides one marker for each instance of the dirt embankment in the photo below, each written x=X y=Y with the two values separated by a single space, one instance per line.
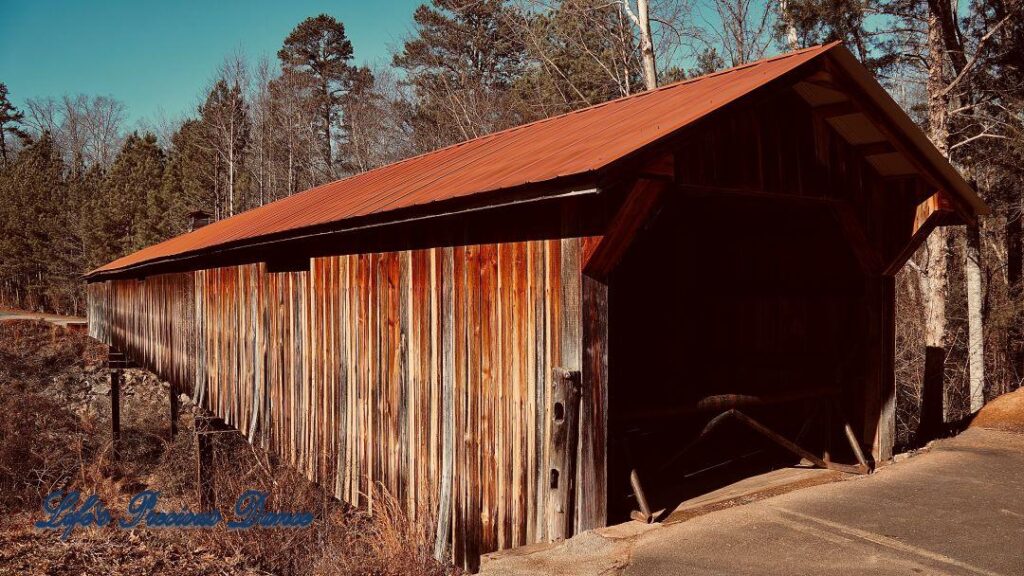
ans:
x=55 y=434
x=1004 y=413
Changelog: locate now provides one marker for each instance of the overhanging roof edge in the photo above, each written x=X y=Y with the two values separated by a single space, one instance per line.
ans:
x=895 y=113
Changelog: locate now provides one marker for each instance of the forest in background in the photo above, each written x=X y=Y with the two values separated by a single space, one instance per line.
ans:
x=79 y=188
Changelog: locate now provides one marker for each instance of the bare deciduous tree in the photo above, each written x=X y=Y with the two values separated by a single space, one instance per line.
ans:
x=745 y=30
x=87 y=128
x=642 y=20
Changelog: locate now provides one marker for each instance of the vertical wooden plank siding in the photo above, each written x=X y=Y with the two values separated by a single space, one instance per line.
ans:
x=420 y=373
x=593 y=429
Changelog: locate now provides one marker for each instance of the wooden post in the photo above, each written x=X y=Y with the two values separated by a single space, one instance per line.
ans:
x=562 y=463
x=644 y=514
x=932 y=418
x=115 y=411
x=879 y=394
x=174 y=410
x=593 y=464
x=204 y=464
x=885 y=437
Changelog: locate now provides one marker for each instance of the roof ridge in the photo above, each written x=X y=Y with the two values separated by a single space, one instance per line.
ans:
x=484 y=137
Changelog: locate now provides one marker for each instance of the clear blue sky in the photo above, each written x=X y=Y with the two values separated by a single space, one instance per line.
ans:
x=159 y=55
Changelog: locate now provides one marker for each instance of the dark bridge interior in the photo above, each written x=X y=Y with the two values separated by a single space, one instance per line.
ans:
x=772 y=314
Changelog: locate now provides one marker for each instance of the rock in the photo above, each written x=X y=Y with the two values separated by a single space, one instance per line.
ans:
x=901 y=457
x=101 y=388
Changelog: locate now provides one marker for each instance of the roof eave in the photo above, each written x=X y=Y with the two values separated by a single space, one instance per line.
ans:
x=558 y=188
x=942 y=170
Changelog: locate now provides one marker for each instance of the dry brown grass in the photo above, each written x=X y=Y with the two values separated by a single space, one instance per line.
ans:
x=42 y=442
x=56 y=435
x=342 y=540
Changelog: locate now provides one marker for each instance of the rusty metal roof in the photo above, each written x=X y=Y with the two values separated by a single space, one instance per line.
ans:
x=572 y=144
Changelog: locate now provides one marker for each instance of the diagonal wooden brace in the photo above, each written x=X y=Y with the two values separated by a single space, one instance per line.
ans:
x=936 y=210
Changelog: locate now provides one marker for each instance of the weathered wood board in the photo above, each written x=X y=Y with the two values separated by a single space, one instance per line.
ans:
x=421 y=373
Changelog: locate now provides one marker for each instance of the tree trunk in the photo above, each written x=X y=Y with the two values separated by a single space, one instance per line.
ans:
x=641 y=19
x=328 y=157
x=647 y=45
x=934 y=278
x=231 y=171
x=938 y=118
x=975 y=322
x=787 y=19
x=934 y=283
x=1014 y=272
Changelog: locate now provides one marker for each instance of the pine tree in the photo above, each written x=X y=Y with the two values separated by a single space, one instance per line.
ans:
x=584 y=55
x=10 y=118
x=462 y=63
x=34 y=194
x=225 y=120
x=373 y=133
x=294 y=147
x=85 y=188
x=819 y=21
x=166 y=206
x=68 y=238
x=126 y=221
x=319 y=49
x=197 y=166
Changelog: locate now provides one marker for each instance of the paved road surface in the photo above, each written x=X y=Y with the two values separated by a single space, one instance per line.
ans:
x=956 y=510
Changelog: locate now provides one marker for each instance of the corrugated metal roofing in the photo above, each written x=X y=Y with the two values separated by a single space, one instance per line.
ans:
x=572 y=144
x=566 y=145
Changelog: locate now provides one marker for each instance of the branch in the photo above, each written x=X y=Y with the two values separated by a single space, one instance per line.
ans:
x=629 y=12
x=977 y=53
x=977 y=137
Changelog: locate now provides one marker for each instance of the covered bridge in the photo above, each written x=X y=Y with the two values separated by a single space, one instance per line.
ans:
x=480 y=330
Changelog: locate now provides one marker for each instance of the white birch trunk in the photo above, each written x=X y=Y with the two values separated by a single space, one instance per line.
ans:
x=642 y=21
x=933 y=281
x=791 y=38
x=934 y=278
x=975 y=322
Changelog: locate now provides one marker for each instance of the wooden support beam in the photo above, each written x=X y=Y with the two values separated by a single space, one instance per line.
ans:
x=878 y=392
x=562 y=462
x=826 y=111
x=932 y=419
x=663 y=166
x=856 y=237
x=641 y=202
x=593 y=467
x=900 y=141
x=936 y=210
x=851 y=436
x=174 y=410
x=204 y=463
x=876 y=148
x=715 y=192
x=722 y=402
x=115 y=411
x=780 y=439
x=821 y=78
x=644 y=514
